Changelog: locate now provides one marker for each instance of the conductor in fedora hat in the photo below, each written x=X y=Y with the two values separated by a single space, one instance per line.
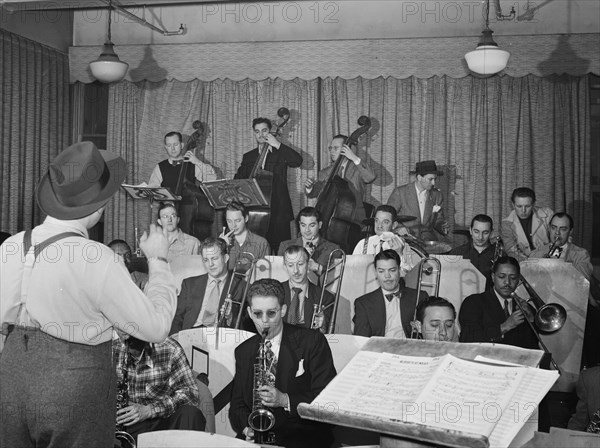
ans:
x=422 y=200
x=61 y=295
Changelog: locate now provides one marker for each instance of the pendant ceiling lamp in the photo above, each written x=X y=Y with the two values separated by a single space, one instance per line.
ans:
x=487 y=58
x=108 y=67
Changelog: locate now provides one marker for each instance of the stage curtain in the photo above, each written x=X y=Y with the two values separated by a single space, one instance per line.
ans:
x=35 y=124
x=488 y=135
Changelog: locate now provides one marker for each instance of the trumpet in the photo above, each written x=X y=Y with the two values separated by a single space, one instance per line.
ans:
x=554 y=249
x=332 y=264
x=244 y=272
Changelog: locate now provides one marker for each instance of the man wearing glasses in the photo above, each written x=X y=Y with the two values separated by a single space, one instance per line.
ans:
x=301 y=362
x=352 y=168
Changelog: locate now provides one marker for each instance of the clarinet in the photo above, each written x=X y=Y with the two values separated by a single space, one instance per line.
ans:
x=126 y=440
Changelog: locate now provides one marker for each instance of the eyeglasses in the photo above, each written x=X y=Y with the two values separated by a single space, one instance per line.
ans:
x=331 y=148
x=270 y=313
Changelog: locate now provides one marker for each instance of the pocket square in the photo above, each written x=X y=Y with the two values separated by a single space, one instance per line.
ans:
x=300 y=368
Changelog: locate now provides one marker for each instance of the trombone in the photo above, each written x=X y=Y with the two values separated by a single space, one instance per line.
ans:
x=244 y=272
x=432 y=268
x=332 y=265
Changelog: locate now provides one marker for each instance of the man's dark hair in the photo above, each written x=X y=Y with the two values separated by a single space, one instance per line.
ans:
x=120 y=247
x=506 y=259
x=431 y=302
x=294 y=250
x=266 y=287
x=4 y=236
x=262 y=120
x=483 y=218
x=173 y=133
x=523 y=192
x=164 y=205
x=387 y=209
x=563 y=215
x=345 y=137
x=236 y=206
x=308 y=212
x=388 y=254
x=213 y=242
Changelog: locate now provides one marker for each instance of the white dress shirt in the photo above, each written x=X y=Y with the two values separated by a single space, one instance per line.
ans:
x=393 y=318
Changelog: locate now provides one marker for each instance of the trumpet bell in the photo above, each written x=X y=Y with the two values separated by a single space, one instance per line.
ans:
x=550 y=317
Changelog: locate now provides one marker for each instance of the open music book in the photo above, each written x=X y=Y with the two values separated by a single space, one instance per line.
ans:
x=443 y=392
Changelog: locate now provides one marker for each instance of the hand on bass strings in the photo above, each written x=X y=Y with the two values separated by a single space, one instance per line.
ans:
x=272 y=141
x=349 y=154
x=309 y=184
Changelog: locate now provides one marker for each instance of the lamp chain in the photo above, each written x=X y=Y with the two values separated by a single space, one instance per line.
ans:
x=109 y=20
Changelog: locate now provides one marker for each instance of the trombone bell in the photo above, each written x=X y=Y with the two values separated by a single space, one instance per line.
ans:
x=550 y=317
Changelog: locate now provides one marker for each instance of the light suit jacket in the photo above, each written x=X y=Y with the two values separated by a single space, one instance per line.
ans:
x=514 y=239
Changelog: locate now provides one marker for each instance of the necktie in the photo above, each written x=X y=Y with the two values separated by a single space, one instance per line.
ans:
x=390 y=297
x=294 y=313
x=342 y=170
x=271 y=362
x=506 y=308
x=211 y=303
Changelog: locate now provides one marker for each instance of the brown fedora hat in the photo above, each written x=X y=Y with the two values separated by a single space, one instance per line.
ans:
x=79 y=181
x=426 y=167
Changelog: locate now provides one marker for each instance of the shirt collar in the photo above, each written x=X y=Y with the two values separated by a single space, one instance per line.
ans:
x=74 y=225
x=221 y=277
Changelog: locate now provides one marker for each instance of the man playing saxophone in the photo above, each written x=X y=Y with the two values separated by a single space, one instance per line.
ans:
x=301 y=362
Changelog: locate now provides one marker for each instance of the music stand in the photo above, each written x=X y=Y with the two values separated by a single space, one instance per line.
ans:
x=221 y=193
x=151 y=194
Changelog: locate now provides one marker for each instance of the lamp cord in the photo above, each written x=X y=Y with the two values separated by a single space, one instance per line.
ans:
x=109 y=20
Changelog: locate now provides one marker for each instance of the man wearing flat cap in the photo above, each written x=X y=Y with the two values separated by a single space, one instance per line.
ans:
x=422 y=200
x=61 y=295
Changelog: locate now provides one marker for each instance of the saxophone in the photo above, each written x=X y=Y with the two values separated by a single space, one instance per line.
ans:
x=125 y=439
x=261 y=419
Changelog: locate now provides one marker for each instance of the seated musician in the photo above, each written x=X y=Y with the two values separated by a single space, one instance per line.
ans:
x=202 y=297
x=358 y=174
x=309 y=223
x=301 y=363
x=493 y=316
x=123 y=252
x=180 y=243
x=301 y=295
x=479 y=251
x=279 y=158
x=560 y=247
x=389 y=310
x=166 y=173
x=436 y=320
x=240 y=238
x=161 y=388
x=526 y=227
x=587 y=413
x=423 y=200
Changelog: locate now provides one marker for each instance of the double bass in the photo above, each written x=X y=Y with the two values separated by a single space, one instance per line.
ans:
x=196 y=215
x=259 y=216
x=337 y=203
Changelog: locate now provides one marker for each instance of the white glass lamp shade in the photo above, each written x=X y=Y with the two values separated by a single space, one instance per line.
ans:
x=108 y=67
x=487 y=60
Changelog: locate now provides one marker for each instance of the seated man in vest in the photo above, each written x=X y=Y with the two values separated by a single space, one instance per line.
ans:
x=301 y=296
x=389 y=310
x=180 y=243
x=436 y=320
x=159 y=387
x=309 y=224
x=240 y=238
x=200 y=303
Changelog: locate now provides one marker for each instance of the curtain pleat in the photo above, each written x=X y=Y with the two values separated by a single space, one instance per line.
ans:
x=489 y=135
x=35 y=123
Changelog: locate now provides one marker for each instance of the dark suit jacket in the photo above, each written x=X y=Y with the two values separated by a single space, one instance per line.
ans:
x=189 y=302
x=480 y=318
x=588 y=392
x=277 y=162
x=369 y=312
x=300 y=347
x=320 y=254
x=357 y=176
x=312 y=298
x=404 y=200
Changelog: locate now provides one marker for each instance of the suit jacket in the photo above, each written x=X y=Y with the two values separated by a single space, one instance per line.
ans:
x=588 y=392
x=357 y=176
x=480 y=317
x=578 y=256
x=304 y=368
x=513 y=237
x=369 y=312
x=404 y=200
x=312 y=298
x=277 y=162
x=320 y=254
x=189 y=302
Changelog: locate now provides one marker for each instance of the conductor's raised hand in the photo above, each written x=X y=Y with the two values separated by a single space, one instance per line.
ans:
x=155 y=242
